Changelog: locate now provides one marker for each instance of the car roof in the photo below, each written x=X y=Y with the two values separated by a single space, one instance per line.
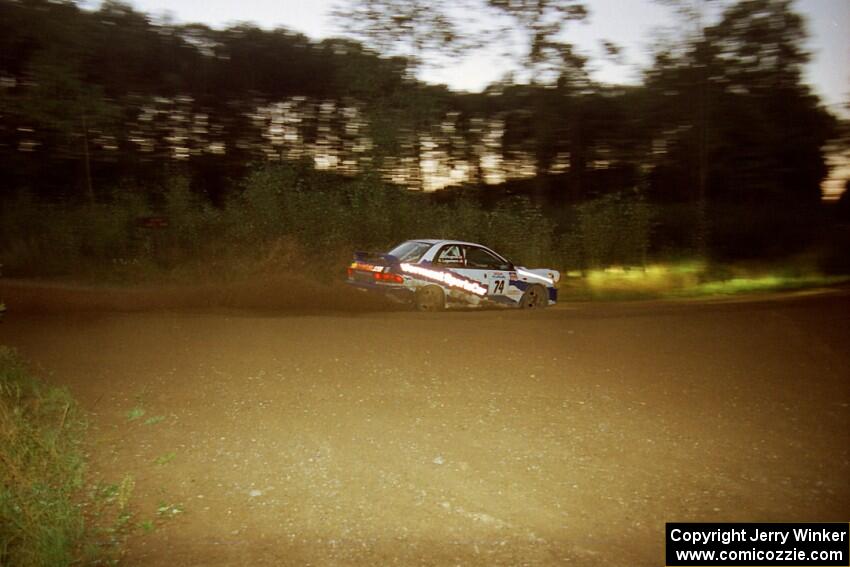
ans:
x=433 y=241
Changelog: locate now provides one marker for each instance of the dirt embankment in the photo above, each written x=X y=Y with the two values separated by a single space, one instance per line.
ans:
x=268 y=293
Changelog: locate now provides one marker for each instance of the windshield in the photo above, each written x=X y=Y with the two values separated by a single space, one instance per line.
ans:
x=409 y=251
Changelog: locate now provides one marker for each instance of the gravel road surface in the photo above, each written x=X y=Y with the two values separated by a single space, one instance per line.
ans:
x=566 y=436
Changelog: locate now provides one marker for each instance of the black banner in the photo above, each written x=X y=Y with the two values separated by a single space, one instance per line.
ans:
x=741 y=544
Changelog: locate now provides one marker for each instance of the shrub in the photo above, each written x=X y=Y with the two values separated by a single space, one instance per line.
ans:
x=614 y=229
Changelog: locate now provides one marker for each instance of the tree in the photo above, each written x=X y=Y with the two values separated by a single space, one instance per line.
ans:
x=424 y=31
x=759 y=58
x=756 y=131
x=551 y=61
x=418 y=32
x=543 y=23
x=54 y=103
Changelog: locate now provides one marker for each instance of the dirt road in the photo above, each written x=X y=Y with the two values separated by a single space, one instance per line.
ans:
x=492 y=438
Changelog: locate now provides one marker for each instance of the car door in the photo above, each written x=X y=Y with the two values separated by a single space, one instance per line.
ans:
x=488 y=269
x=450 y=259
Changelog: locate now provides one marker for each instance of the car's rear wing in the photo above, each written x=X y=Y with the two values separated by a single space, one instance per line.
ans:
x=375 y=258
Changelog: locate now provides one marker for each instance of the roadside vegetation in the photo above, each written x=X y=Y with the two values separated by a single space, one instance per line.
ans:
x=49 y=515
x=197 y=157
x=292 y=220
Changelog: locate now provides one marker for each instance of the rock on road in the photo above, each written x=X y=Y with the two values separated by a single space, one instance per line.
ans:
x=475 y=438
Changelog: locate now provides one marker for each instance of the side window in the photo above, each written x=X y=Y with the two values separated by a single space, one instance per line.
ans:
x=480 y=259
x=450 y=255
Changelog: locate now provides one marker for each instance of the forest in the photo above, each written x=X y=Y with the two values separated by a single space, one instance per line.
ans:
x=130 y=141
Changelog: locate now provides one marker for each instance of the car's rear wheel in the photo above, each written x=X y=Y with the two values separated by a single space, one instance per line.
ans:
x=430 y=298
x=535 y=297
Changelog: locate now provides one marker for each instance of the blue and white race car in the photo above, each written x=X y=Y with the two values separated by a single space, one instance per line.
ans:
x=436 y=274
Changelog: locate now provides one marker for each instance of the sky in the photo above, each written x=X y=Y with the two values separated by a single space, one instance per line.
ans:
x=629 y=23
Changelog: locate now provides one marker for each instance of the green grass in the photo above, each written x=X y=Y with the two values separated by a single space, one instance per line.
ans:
x=164 y=512
x=167 y=510
x=688 y=279
x=42 y=469
x=764 y=283
x=165 y=459
x=48 y=515
x=136 y=413
x=147 y=526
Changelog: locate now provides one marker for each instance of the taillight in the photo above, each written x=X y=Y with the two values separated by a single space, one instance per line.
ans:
x=387 y=277
x=350 y=272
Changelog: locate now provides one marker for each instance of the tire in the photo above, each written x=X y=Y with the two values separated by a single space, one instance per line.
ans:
x=535 y=297
x=430 y=298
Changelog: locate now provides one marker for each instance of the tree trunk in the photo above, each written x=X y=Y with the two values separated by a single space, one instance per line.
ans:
x=87 y=161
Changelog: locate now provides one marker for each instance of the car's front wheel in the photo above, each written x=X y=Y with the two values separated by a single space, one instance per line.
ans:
x=535 y=297
x=430 y=298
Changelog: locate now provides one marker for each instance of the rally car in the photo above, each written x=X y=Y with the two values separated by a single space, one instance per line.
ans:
x=436 y=274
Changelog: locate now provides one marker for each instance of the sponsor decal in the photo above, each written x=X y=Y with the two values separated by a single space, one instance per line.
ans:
x=446 y=278
x=531 y=275
x=363 y=266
